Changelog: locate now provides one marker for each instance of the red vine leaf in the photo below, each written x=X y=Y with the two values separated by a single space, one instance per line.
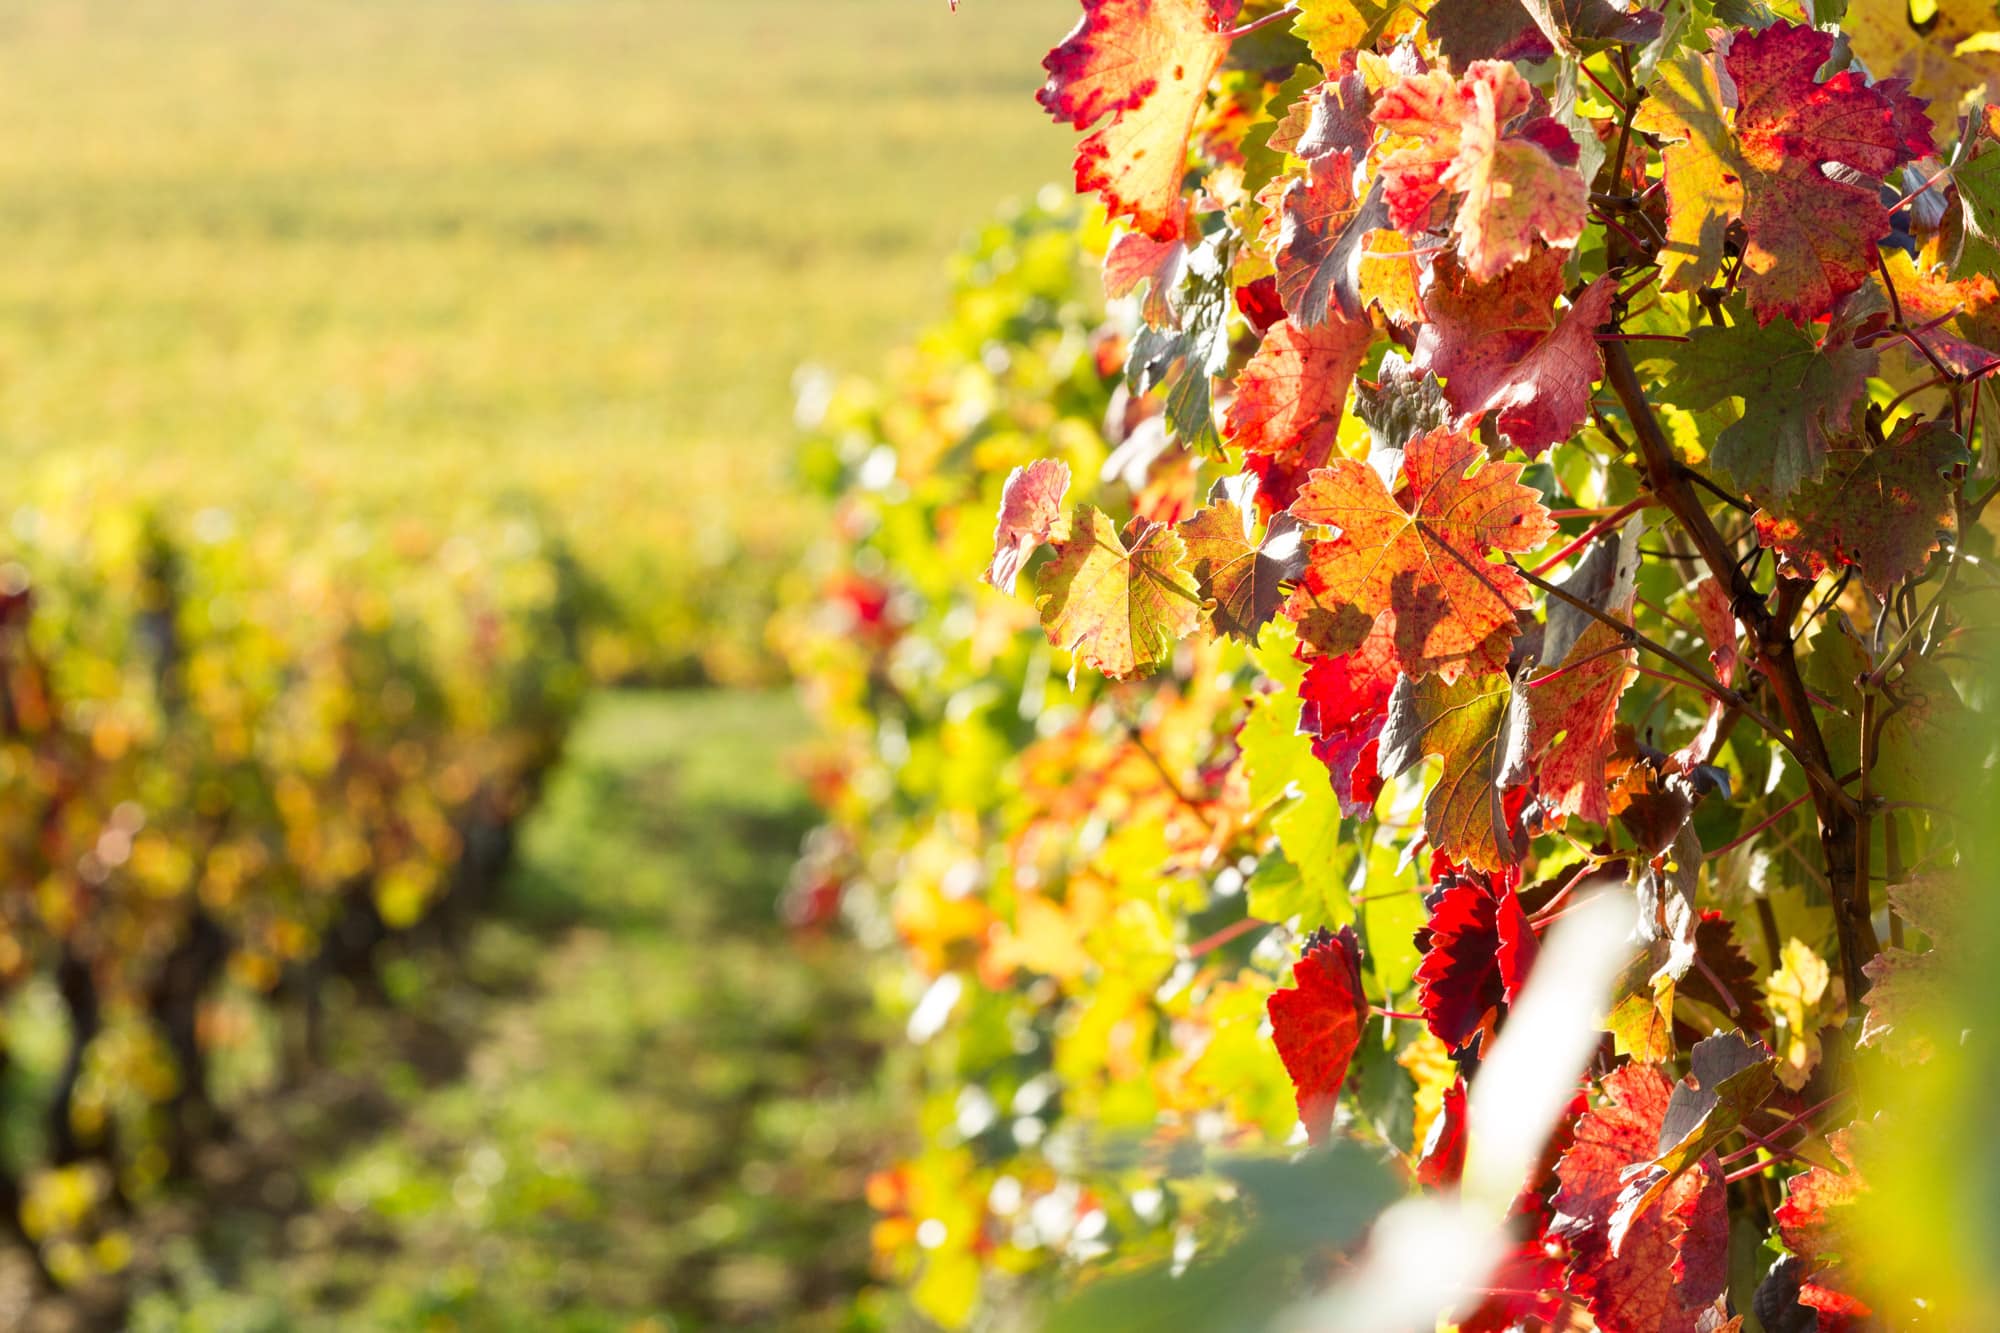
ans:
x=1484 y=137
x=1880 y=510
x=1291 y=393
x=1442 y=1161
x=1242 y=575
x=1477 y=949
x=1146 y=65
x=1811 y=237
x=1135 y=260
x=1031 y=512
x=1632 y=1286
x=1812 y=1222
x=1500 y=348
x=1316 y=1024
x=1120 y=608
x=1572 y=721
x=1346 y=701
x=1423 y=553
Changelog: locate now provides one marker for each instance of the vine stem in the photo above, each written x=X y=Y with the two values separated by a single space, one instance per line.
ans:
x=1771 y=642
x=1763 y=1140
x=1254 y=25
x=1759 y=826
x=1233 y=931
x=1596 y=530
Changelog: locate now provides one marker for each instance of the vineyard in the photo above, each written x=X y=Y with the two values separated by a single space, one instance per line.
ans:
x=1387 y=726
x=390 y=408
x=1406 y=680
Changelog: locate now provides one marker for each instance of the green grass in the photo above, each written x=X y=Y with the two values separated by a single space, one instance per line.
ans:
x=631 y=1096
x=325 y=257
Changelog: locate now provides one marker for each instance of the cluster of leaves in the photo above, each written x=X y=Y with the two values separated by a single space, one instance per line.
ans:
x=1532 y=448
x=223 y=788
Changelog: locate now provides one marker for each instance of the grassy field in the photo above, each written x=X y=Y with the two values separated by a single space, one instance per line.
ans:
x=631 y=1101
x=340 y=258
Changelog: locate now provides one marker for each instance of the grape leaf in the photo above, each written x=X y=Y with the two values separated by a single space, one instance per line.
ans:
x=1291 y=392
x=1894 y=45
x=1796 y=394
x=1135 y=260
x=1403 y=403
x=1422 y=553
x=1346 y=699
x=1500 y=347
x=1186 y=357
x=1322 y=235
x=1334 y=28
x=1718 y=626
x=1145 y=65
x=1880 y=510
x=1726 y=980
x=1120 y=608
x=1810 y=237
x=1484 y=137
x=1477 y=949
x=1463 y=723
x=1632 y=1287
x=1469 y=30
x=1812 y=1223
x=1442 y=1161
x=1329 y=118
x=1909 y=998
x=1572 y=715
x=1316 y=1024
x=1960 y=317
x=1031 y=512
x=1242 y=575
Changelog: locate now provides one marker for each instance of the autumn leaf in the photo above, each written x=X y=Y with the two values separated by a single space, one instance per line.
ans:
x=1423 y=553
x=1719 y=627
x=1334 y=28
x=1469 y=30
x=1463 y=724
x=1880 y=510
x=1932 y=55
x=1813 y=1224
x=1031 y=512
x=1797 y=395
x=1501 y=348
x=1241 y=574
x=1331 y=117
x=1136 y=260
x=1572 y=715
x=1316 y=1024
x=1145 y=65
x=1120 y=608
x=1729 y=1077
x=1442 y=1160
x=1725 y=980
x=1960 y=317
x=1346 y=701
x=1477 y=949
x=1810 y=237
x=1634 y=1286
x=1805 y=997
x=1322 y=241
x=1483 y=137
x=1292 y=391
x=1908 y=995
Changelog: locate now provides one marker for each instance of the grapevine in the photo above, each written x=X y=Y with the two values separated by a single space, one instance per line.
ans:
x=1529 y=451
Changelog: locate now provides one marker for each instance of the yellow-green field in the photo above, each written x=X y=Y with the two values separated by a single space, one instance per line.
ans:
x=393 y=258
